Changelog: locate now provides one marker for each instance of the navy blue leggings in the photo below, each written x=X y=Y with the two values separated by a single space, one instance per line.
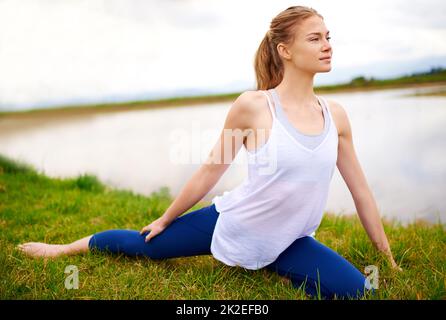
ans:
x=306 y=262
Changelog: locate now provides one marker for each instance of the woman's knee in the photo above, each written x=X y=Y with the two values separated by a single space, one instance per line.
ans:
x=127 y=242
x=319 y=288
x=327 y=273
x=345 y=282
x=356 y=291
x=188 y=235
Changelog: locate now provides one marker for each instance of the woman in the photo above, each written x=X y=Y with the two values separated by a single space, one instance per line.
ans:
x=269 y=220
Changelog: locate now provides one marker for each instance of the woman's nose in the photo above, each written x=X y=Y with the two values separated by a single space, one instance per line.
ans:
x=327 y=45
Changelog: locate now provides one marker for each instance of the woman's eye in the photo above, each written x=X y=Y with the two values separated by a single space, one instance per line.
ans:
x=328 y=38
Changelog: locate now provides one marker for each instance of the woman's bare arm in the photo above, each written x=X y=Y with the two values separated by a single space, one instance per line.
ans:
x=235 y=129
x=354 y=177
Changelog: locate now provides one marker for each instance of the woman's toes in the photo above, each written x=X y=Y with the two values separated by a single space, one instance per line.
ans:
x=39 y=249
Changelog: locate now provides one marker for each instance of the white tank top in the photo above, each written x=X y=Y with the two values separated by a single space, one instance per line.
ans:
x=282 y=198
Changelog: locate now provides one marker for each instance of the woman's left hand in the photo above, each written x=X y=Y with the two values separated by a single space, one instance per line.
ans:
x=395 y=266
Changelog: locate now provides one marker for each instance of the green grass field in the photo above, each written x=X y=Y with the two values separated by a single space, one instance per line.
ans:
x=38 y=208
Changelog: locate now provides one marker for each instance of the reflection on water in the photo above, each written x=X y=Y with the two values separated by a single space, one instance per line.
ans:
x=400 y=142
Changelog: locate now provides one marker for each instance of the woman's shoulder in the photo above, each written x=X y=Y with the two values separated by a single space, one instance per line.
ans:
x=252 y=96
x=250 y=100
x=333 y=105
x=338 y=113
x=250 y=109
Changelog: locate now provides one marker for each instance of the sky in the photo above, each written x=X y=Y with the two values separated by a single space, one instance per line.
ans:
x=62 y=52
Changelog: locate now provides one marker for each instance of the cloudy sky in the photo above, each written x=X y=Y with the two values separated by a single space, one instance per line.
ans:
x=79 y=51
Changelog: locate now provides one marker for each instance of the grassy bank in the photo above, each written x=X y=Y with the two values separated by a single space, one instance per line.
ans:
x=433 y=77
x=37 y=208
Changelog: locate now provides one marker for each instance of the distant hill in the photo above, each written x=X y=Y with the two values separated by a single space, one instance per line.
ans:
x=435 y=74
x=200 y=96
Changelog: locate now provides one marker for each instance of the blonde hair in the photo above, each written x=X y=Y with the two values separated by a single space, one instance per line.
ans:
x=268 y=65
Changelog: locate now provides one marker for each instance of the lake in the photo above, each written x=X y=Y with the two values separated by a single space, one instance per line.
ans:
x=400 y=141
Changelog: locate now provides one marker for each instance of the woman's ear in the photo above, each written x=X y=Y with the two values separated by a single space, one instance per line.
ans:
x=283 y=51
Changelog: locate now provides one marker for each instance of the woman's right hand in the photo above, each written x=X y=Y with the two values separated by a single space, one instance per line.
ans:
x=155 y=228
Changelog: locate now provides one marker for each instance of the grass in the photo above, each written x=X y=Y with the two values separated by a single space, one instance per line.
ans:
x=34 y=207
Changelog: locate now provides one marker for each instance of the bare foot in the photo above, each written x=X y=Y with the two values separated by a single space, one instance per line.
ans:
x=40 y=249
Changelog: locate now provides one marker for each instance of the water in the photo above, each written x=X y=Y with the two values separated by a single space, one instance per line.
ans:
x=400 y=142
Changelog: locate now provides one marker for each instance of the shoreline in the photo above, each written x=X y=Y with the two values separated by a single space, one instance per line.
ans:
x=178 y=102
x=19 y=166
x=30 y=119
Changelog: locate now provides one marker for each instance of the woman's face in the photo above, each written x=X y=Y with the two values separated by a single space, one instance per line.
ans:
x=311 y=44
